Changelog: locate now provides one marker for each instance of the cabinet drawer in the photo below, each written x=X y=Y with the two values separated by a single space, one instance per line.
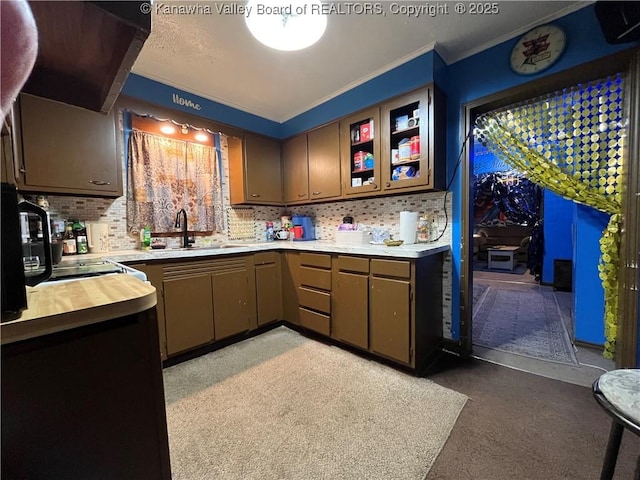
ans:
x=391 y=268
x=353 y=264
x=315 y=321
x=314 y=299
x=314 y=277
x=264 y=258
x=315 y=260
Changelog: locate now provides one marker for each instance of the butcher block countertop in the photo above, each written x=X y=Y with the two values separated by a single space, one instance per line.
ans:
x=54 y=306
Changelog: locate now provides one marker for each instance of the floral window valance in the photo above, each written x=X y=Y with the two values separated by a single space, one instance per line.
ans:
x=572 y=142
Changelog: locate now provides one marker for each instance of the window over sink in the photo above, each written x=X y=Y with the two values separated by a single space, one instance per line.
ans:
x=172 y=166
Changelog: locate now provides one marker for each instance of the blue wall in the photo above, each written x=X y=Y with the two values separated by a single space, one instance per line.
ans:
x=488 y=72
x=408 y=76
x=588 y=293
x=475 y=77
x=558 y=238
x=161 y=94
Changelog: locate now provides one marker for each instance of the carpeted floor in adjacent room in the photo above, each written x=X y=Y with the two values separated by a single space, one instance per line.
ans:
x=519 y=426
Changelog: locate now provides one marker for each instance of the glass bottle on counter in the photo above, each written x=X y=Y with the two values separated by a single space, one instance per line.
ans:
x=69 y=241
x=423 y=230
x=270 y=232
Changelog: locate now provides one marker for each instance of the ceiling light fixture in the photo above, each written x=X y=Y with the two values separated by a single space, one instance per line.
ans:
x=168 y=129
x=201 y=137
x=285 y=24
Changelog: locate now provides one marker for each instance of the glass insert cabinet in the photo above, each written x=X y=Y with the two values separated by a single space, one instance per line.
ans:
x=405 y=126
x=394 y=145
x=361 y=156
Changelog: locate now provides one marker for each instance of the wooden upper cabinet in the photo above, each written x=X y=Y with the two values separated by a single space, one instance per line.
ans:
x=295 y=169
x=360 y=152
x=413 y=139
x=255 y=173
x=324 y=162
x=65 y=149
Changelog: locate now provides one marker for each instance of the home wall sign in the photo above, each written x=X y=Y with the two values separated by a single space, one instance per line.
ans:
x=538 y=49
x=185 y=102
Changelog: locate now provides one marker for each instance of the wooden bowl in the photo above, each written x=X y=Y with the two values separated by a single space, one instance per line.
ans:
x=393 y=243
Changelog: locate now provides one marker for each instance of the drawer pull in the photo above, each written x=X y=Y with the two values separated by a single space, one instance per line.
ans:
x=255 y=195
x=317 y=193
x=302 y=194
x=99 y=182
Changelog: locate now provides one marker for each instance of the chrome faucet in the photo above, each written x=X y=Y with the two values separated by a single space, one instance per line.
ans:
x=186 y=243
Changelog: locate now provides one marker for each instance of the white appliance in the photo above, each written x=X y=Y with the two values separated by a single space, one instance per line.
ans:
x=78 y=268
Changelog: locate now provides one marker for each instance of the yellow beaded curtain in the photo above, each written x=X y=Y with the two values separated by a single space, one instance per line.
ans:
x=572 y=142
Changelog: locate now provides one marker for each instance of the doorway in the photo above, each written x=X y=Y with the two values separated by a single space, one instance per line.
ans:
x=471 y=112
x=517 y=319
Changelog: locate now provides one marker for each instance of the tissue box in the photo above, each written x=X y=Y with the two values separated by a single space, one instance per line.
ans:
x=353 y=237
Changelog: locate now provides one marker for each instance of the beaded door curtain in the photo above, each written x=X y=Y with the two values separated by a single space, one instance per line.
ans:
x=572 y=142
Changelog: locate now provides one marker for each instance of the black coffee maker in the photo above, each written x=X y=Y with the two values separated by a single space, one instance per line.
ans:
x=25 y=250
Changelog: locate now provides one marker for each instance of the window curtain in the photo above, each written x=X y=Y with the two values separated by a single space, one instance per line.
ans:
x=573 y=143
x=165 y=175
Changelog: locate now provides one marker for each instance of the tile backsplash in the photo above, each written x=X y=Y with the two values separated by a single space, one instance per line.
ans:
x=374 y=212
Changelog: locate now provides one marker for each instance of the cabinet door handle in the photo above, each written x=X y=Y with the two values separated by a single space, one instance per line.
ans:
x=302 y=194
x=317 y=193
x=99 y=182
x=388 y=184
x=375 y=185
x=23 y=170
x=255 y=195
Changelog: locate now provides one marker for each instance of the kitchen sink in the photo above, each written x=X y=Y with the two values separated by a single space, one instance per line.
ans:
x=187 y=249
x=202 y=248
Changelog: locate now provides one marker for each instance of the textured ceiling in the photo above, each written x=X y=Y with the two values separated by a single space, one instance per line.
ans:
x=214 y=55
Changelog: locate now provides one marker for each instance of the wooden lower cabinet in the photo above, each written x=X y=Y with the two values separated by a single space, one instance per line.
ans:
x=202 y=301
x=154 y=276
x=290 y=285
x=390 y=318
x=391 y=308
x=314 y=292
x=268 y=287
x=188 y=312
x=350 y=301
x=233 y=308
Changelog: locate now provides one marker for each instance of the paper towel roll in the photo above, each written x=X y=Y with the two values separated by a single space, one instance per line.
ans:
x=408 y=225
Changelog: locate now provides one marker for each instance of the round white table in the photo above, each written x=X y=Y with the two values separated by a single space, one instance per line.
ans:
x=618 y=393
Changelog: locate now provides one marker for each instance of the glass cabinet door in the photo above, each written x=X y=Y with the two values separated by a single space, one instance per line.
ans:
x=405 y=127
x=360 y=152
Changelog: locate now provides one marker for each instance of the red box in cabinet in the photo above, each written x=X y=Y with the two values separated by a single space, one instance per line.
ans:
x=366 y=131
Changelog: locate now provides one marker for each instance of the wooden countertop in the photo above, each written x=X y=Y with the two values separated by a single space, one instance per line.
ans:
x=54 y=307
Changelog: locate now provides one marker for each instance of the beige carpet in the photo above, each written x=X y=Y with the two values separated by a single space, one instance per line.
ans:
x=281 y=406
